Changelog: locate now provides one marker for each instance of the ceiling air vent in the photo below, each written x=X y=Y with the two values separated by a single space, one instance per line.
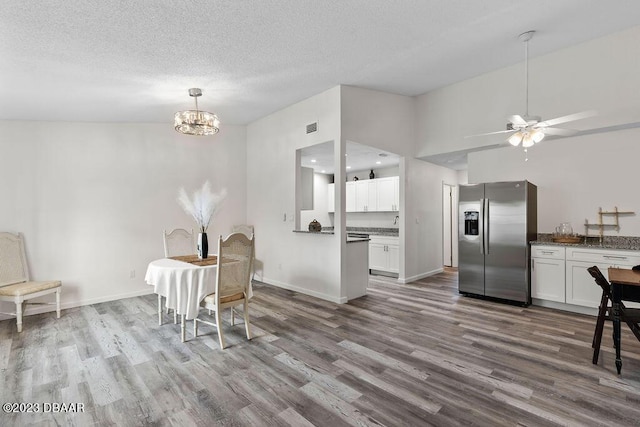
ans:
x=312 y=127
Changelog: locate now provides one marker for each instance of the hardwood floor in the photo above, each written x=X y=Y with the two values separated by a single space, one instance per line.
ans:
x=404 y=355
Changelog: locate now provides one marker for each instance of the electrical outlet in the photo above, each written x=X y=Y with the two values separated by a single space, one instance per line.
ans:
x=284 y=217
x=132 y=274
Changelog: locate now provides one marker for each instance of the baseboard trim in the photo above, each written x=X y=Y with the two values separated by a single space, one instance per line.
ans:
x=565 y=307
x=72 y=304
x=405 y=280
x=323 y=296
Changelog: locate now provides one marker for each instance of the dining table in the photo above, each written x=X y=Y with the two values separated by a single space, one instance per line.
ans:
x=625 y=285
x=184 y=282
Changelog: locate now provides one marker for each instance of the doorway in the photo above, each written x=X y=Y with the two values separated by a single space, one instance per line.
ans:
x=449 y=225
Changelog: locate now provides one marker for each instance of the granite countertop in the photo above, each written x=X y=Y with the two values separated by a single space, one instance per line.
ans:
x=330 y=232
x=314 y=232
x=376 y=231
x=631 y=243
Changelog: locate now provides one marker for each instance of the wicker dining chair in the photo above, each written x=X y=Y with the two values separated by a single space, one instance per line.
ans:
x=15 y=285
x=177 y=242
x=235 y=259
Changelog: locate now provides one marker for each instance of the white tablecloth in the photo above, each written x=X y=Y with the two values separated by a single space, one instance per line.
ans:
x=184 y=285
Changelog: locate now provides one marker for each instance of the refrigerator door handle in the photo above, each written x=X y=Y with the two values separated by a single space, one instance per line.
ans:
x=481 y=227
x=486 y=225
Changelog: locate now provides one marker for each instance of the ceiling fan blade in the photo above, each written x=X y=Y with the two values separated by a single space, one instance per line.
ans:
x=517 y=120
x=559 y=132
x=490 y=133
x=569 y=118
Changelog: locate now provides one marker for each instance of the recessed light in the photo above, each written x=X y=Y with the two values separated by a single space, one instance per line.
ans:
x=313 y=160
x=378 y=162
x=348 y=167
x=324 y=171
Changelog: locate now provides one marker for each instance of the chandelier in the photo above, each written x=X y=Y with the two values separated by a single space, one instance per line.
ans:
x=196 y=122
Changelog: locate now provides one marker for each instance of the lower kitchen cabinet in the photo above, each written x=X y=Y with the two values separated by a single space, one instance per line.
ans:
x=548 y=273
x=384 y=253
x=560 y=274
x=581 y=287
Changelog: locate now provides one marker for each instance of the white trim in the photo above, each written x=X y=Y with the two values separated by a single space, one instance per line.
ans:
x=52 y=306
x=420 y=276
x=590 y=311
x=284 y=285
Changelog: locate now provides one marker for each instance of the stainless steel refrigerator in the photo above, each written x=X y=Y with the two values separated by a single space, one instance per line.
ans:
x=496 y=223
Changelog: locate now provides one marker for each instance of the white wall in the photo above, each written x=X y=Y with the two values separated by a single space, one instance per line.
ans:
x=320 y=211
x=422 y=214
x=378 y=119
x=601 y=74
x=387 y=121
x=575 y=176
x=308 y=263
x=92 y=199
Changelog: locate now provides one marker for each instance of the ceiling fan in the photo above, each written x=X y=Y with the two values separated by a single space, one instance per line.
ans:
x=529 y=129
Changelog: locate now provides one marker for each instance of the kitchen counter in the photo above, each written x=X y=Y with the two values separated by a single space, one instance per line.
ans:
x=350 y=239
x=608 y=242
x=374 y=231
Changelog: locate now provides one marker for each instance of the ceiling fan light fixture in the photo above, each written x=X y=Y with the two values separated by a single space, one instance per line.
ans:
x=537 y=135
x=196 y=122
x=527 y=140
x=515 y=139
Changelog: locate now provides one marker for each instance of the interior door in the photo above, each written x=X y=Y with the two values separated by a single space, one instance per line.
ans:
x=506 y=249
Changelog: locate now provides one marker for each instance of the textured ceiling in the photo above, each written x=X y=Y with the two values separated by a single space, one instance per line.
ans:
x=134 y=61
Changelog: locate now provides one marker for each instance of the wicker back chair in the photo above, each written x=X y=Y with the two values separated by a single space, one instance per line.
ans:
x=235 y=259
x=15 y=285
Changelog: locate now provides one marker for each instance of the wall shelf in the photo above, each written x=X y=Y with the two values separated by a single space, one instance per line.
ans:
x=601 y=224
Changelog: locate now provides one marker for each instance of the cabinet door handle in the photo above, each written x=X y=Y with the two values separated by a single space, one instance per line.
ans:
x=547 y=252
x=615 y=257
x=533 y=264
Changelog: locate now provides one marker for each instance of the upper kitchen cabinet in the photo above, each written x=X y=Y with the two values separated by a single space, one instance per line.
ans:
x=371 y=195
x=388 y=193
x=366 y=196
x=350 y=194
x=331 y=198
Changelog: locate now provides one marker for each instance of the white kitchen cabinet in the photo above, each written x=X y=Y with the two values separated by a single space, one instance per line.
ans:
x=331 y=198
x=548 y=273
x=350 y=195
x=366 y=195
x=388 y=191
x=384 y=253
x=369 y=195
x=581 y=288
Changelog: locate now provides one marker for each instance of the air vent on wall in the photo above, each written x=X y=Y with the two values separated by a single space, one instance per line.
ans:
x=312 y=127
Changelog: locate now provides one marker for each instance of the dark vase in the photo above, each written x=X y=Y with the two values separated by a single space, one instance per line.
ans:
x=203 y=246
x=371 y=174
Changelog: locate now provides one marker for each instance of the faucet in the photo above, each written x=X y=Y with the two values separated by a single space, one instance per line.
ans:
x=396 y=219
